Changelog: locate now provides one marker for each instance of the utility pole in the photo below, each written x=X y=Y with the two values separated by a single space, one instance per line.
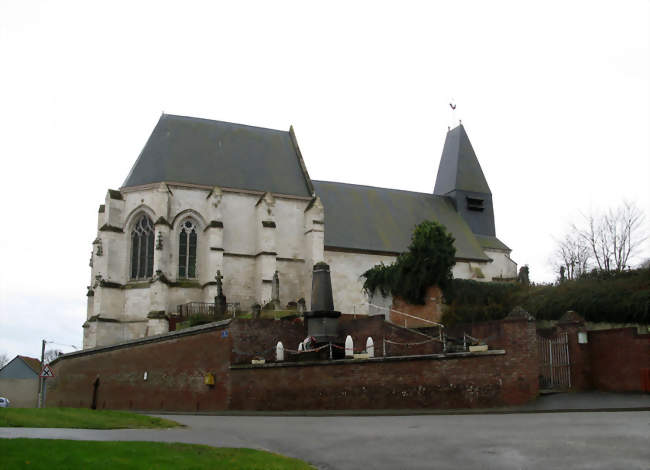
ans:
x=40 y=379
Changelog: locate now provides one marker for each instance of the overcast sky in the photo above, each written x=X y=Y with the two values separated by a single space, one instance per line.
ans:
x=554 y=97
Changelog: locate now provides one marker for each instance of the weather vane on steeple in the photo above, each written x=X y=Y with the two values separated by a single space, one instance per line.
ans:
x=452 y=105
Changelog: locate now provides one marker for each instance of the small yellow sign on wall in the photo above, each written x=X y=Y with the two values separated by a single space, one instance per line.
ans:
x=208 y=379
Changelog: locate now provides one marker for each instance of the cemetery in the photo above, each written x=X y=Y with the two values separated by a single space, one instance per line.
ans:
x=323 y=359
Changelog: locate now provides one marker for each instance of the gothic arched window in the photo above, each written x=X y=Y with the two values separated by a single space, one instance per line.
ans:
x=142 y=237
x=187 y=250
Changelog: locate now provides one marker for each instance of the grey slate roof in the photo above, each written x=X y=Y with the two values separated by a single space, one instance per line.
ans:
x=459 y=168
x=488 y=242
x=380 y=219
x=21 y=367
x=215 y=153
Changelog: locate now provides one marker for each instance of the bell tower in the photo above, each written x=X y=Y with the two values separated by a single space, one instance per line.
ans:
x=461 y=179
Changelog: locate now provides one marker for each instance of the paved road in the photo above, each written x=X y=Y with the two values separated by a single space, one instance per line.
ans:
x=593 y=440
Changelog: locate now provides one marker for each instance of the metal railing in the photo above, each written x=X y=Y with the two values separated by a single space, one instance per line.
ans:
x=208 y=309
x=405 y=315
x=191 y=309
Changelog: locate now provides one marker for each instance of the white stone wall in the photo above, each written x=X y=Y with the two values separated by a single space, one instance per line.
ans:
x=470 y=270
x=502 y=266
x=292 y=281
x=347 y=284
x=239 y=283
x=100 y=333
x=136 y=304
x=231 y=239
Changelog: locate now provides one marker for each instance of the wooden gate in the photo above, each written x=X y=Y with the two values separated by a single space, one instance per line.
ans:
x=554 y=362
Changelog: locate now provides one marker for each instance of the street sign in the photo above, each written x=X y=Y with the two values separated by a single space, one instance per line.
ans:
x=46 y=372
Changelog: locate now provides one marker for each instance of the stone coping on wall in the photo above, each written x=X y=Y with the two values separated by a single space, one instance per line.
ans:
x=195 y=330
x=340 y=362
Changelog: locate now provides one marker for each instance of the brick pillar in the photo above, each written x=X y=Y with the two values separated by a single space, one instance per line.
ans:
x=520 y=376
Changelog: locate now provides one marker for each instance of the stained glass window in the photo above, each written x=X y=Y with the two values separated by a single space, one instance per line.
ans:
x=142 y=238
x=187 y=250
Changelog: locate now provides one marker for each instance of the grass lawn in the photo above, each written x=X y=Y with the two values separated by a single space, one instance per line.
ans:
x=61 y=454
x=78 y=418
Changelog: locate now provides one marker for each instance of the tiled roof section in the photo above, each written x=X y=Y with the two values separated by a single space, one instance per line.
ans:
x=33 y=363
x=366 y=218
x=459 y=168
x=215 y=153
x=488 y=242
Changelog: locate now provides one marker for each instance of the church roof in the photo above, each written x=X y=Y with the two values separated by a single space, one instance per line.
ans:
x=215 y=153
x=459 y=168
x=367 y=218
x=491 y=243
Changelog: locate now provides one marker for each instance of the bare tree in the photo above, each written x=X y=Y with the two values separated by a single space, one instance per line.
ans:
x=572 y=255
x=51 y=354
x=613 y=237
x=4 y=359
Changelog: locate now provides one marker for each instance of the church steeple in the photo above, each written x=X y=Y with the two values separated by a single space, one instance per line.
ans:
x=461 y=179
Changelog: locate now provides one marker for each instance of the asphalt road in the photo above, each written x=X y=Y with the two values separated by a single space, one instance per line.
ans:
x=589 y=440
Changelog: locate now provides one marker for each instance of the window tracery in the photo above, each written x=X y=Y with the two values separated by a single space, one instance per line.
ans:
x=187 y=243
x=142 y=247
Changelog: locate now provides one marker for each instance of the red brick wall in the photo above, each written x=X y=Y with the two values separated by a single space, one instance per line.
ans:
x=175 y=369
x=176 y=365
x=617 y=357
x=259 y=338
x=429 y=311
x=460 y=382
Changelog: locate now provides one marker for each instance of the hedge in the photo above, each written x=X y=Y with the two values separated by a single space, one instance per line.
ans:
x=598 y=297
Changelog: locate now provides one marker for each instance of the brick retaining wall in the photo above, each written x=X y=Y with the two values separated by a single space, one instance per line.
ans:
x=496 y=378
x=617 y=357
x=176 y=365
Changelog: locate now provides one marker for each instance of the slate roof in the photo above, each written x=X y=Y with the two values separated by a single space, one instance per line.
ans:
x=490 y=242
x=32 y=362
x=215 y=153
x=380 y=219
x=459 y=168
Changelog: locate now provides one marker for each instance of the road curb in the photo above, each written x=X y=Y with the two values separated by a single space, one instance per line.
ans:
x=371 y=413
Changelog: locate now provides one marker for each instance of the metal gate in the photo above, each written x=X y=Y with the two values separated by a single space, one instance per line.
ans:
x=554 y=362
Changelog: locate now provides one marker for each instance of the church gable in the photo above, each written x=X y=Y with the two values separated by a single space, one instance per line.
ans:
x=214 y=153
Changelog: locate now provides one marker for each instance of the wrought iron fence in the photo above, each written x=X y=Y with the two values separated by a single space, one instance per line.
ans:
x=206 y=309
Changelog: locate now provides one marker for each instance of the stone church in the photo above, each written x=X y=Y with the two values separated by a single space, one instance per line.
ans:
x=207 y=196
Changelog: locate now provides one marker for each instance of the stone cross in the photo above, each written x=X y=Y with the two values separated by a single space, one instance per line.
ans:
x=220 y=304
x=219 y=277
x=275 y=291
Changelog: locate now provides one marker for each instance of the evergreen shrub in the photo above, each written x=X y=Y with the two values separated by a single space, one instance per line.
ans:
x=428 y=262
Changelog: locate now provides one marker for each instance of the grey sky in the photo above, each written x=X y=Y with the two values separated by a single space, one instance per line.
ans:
x=554 y=97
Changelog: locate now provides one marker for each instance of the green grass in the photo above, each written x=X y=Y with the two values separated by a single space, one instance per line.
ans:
x=78 y=418
x=62 y=454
